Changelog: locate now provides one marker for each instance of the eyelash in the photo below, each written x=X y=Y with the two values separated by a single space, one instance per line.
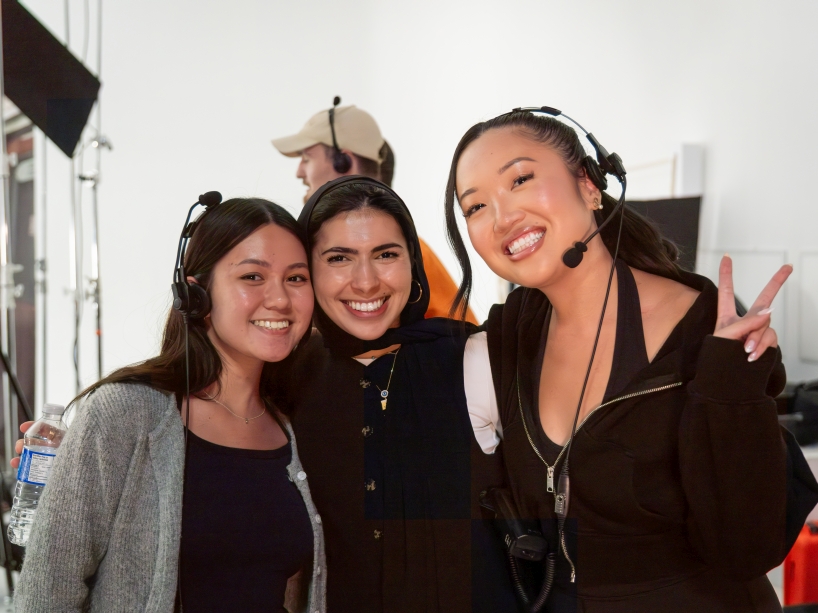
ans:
x=517 y=182
x=296 y=278
x=386 y=255
x=472 y=210
x=523 y=178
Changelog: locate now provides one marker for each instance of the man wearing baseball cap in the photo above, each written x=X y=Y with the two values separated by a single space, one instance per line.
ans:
x=346 y=140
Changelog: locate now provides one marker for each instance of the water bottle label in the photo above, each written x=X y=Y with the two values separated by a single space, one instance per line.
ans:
x=35 y=466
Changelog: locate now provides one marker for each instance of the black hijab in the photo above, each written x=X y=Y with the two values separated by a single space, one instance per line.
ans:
x=413 y=325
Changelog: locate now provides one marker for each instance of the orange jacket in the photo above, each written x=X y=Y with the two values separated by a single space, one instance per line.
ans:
x=443 y=288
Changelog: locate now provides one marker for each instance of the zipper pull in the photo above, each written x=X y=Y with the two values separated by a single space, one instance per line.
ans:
x=549 y=487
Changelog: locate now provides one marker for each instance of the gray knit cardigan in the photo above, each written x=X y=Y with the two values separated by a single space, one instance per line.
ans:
x=106 y=535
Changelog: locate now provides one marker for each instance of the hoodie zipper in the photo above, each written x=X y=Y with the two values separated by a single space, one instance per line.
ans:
x=550 y=468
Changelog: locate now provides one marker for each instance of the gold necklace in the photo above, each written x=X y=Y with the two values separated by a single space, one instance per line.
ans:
x=385 y=393
x=247 y=420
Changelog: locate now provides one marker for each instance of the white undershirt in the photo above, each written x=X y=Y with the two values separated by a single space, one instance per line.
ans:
x=480 y=396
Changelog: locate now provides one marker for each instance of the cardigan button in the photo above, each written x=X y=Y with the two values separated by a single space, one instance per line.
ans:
x=364 y=382
x=301 y=475
x=370 y=485
x=367 y=431
x=318 y=521
x=378 y=534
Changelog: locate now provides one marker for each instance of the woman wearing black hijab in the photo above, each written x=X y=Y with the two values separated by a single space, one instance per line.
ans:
x=382 y=419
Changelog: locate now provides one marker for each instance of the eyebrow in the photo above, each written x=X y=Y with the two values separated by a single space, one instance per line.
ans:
x=351 y=251
x=503 y=168
x=255 y=261
x=511 y=163
x=265 y=264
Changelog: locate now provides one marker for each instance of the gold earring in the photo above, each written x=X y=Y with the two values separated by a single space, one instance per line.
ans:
x=420 y=287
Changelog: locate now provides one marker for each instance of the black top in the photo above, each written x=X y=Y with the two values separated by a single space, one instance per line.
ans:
x=245 y=529
x=630 y=354
x=397 y=488
x=678 y=492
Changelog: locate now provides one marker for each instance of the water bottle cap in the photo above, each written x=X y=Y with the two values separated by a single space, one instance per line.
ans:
x=53 y=409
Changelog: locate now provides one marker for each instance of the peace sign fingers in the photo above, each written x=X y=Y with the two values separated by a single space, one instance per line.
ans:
x=754 y=328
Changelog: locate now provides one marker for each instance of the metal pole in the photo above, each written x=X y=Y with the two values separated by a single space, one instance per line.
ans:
x=7 y=270
x=75 y=265
x=40 y=277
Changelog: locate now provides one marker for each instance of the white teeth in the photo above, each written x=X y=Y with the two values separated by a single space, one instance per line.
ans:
x=272 y=325
x=365 y=307
x=525 y=241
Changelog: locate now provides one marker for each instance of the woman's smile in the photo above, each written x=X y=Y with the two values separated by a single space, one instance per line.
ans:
x=274 y=326
x=367 y=308
x=524 y=244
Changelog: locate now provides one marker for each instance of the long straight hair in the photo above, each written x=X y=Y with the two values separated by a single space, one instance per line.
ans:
x=217 y=231
x=642 y=245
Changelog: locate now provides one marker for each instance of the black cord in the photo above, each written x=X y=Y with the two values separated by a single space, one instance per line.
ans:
x=564 y=471
x=15 y=383
x=545 y=590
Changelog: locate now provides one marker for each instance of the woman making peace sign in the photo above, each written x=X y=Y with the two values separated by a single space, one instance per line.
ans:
x=678 y=468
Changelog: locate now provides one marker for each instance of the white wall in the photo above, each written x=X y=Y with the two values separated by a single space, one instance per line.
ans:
x=193 y=91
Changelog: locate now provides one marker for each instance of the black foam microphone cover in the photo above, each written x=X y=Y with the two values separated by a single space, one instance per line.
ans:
x=573 y=256
x=209 y=199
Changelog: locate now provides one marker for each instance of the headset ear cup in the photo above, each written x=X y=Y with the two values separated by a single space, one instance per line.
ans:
x=341 y=162
x=198 y=301
x=595 y=173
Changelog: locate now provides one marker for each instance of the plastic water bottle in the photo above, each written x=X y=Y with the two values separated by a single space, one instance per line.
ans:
x=40 y=448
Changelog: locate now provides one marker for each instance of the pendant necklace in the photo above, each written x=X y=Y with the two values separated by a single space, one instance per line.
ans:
x=385 y=392
x=247 y=420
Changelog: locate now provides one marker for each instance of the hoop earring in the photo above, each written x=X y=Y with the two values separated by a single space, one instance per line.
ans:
x=420 y=287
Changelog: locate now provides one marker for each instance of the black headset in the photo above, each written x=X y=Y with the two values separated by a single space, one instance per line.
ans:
x=341 y=161
x=191 y=299
x=596 y=169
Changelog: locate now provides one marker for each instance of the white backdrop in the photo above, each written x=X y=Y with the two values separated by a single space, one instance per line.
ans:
x=193 y=90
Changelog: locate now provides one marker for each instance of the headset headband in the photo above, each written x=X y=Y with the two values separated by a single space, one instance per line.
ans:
x=610 y=163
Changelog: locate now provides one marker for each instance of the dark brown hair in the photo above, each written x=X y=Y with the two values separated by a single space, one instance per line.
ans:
x=217 y=231
x=642 y=246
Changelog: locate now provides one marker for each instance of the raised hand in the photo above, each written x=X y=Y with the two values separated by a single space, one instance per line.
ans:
x=754 y=328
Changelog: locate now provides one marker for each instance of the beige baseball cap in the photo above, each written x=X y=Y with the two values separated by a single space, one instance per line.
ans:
x=355 y=130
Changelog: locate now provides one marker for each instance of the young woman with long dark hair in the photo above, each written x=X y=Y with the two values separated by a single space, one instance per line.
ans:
x=678 y=468
x=112 y=532
x=382 y=416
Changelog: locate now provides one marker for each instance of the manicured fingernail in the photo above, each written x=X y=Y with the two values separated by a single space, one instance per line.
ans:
x=766 y=311
x=749 y=346
x=753 y=357
x=727 y=255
